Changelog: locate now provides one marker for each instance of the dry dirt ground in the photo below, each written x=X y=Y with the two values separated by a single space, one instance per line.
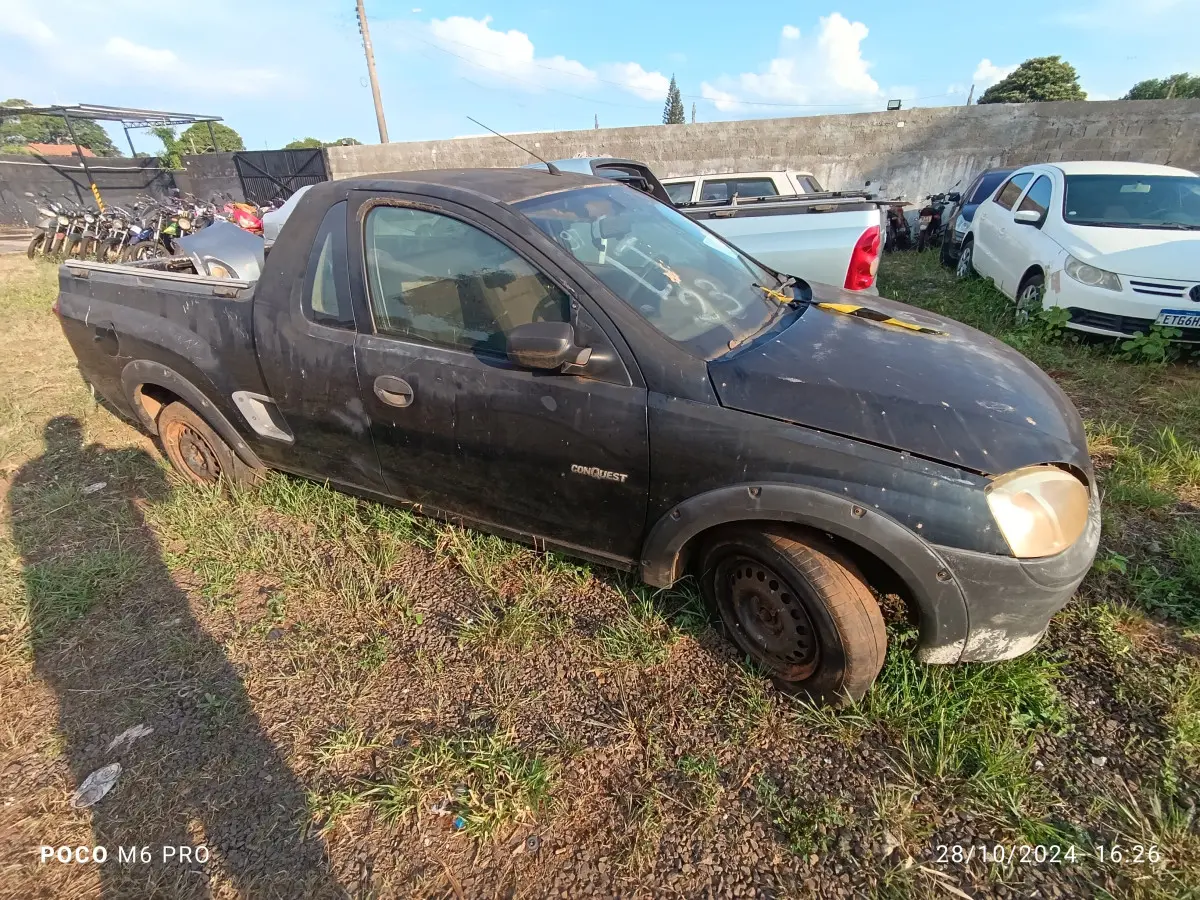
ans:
x=347 y=700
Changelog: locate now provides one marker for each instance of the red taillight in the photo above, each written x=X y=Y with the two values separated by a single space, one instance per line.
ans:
x=864 y=261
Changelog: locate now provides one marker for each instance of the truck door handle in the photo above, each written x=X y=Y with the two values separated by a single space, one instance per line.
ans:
x=393 y=391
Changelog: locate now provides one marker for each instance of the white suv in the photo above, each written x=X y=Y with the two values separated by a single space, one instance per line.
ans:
x=1116 y=244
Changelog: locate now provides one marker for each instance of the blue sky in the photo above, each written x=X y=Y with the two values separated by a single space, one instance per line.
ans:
x=277 y=70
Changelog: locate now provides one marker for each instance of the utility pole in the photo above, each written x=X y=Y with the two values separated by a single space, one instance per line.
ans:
x=366 y=37
x=971 y=95
x=693 y=112
x=597 y=121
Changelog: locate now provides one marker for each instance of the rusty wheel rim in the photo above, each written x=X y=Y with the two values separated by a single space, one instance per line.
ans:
x=199 y=459
x=769 y=616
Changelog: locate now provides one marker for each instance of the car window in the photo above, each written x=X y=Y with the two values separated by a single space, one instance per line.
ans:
x=1012 y=190
x=1037 y=197
x=1133 y=201
x=743 y=187
x=326 y=300
x=810 y=185
x=680 y=192
x=437 y=279
x=988 y=182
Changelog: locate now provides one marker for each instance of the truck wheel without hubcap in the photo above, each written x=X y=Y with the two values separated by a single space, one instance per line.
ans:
x=196 y=451
x=797 y=608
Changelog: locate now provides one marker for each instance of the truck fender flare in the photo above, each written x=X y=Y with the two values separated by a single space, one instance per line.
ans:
x=943 y=619
x=142 y=372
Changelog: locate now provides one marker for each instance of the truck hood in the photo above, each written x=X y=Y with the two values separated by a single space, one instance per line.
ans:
x=960 y=397
x=1144 y=252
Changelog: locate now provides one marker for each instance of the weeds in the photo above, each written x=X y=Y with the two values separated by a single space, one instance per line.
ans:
x=483 y=783
x=808 y=827
x=1155 y=347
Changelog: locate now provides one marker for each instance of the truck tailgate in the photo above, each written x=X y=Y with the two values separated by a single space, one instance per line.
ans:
x=199 y=327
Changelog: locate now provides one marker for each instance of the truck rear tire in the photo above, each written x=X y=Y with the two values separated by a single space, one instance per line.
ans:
x=797 y=608
x=197 y=452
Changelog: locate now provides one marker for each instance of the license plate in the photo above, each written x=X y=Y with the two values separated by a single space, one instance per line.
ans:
x=1179 y=318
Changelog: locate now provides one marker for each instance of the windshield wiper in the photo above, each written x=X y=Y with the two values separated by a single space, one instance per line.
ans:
x=1178 y=226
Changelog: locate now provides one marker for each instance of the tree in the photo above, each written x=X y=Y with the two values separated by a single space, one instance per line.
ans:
x=195 y=139
x=171 y=155
x=311 y=143
x=673 y=108
x=19 y=130
x=1182 y=85
x=1036 y=80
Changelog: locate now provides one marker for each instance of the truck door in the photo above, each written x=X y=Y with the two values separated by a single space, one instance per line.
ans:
x=460 y=428
x=304 y=329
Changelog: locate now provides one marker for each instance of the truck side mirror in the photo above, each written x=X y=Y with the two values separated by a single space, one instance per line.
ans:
x=545 y=345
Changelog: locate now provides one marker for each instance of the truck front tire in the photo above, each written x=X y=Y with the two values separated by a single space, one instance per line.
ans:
x=197 y=452
x=797 y=608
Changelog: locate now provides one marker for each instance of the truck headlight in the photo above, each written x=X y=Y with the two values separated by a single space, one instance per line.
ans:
x=1091 y=276
x=1040 y=510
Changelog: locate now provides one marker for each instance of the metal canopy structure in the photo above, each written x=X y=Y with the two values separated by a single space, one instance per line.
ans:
x=129 y=117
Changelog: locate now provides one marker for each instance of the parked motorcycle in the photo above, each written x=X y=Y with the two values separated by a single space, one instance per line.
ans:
x=897 y=235
x=931 y=221
x=45 y=229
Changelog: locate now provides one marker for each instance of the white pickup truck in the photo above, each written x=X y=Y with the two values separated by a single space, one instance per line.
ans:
x=828 y=236
x=695 y=188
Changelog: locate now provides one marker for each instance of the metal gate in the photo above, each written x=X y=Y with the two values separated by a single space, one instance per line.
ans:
x=271 y=176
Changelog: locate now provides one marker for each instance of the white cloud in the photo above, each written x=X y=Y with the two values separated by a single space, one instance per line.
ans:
x=508 y=53
x=164 y=62
x=636 y=80
x=826 y=70
x=20 y=22
x=988 y=73
x=511 y=57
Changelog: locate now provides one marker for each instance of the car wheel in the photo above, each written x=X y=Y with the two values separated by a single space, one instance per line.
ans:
x=797 y=608
x=1029 y=297
x=197 y=452
x=966 y=259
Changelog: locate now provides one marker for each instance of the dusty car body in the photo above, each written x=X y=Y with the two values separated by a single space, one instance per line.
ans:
x=571 y=363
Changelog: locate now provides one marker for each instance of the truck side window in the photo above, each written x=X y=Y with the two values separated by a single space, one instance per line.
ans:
x=1012 y=190
x=436 y=279
x=325 y=299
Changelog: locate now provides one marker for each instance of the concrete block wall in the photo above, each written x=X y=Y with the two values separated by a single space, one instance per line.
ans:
x=910 y=152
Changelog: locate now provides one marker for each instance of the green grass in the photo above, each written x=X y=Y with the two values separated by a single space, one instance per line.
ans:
x=808 y=825
x=484 y=782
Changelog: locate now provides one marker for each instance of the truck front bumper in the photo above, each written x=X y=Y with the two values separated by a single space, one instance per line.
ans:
x=1009 y=602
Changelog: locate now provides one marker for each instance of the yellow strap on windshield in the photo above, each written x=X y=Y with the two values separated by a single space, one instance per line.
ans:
x=863 y=312
x=774 y=295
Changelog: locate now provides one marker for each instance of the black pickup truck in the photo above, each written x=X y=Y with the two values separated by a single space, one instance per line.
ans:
x=570 y=362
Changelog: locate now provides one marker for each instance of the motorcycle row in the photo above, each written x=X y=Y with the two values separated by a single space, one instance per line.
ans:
x=930 y=225
x=146 y=230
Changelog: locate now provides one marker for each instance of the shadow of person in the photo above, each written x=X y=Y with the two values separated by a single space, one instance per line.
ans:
x=115 y=638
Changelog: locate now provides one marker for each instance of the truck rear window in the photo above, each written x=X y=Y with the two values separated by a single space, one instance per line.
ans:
x=743 y=187
x=680 y=192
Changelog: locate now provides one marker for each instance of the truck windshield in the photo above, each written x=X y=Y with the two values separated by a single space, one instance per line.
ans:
x=690 y=285
x=1133 y=201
